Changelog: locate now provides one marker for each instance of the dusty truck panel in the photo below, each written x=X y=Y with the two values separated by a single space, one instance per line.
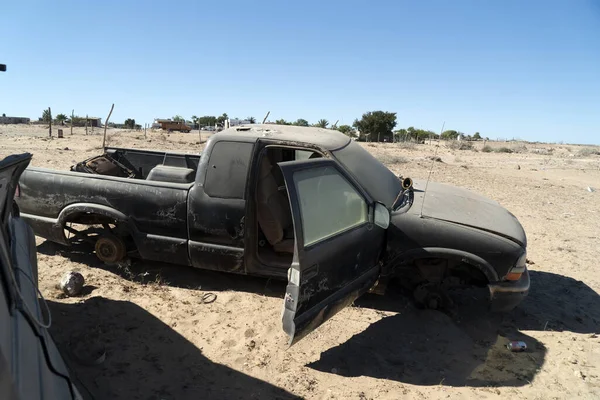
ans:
x=146 y=208
x=217 y=206
x=232 y=208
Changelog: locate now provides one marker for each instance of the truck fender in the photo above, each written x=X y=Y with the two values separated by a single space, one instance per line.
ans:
x=98 y=209
x=450 y=254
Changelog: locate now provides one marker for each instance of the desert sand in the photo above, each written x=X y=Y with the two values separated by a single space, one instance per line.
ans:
x=163 y=342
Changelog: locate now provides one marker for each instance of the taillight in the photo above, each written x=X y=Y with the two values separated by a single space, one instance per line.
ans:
x=520 y=266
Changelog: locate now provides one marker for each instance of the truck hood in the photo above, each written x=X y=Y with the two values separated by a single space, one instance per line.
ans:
x=461 y=206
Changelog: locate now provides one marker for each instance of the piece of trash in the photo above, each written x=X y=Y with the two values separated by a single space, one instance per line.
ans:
x=72 y=283
x=593 y=336
x=518 y=166
x=516 y=346
x=591 y=189
x=208 y=298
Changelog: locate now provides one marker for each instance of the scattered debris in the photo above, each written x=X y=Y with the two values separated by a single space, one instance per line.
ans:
x=591 y=189
x=435 y=158
x=579 y=374
x=66 y=148
x=72 y=283
x=208 y=298
x=593 y=336
x=516 y=346
x=518 y=166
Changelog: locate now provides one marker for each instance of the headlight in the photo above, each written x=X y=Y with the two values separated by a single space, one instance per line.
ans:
x=520 y=266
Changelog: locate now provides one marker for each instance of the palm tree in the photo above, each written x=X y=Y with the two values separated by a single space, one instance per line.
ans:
x=61 y=118
x=46 y=116
x=322 y=123
x=195 y=120
x=178 y=118
x=251 y=120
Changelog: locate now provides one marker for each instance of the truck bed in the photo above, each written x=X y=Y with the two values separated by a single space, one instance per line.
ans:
x=143 y=161
x=153 y=202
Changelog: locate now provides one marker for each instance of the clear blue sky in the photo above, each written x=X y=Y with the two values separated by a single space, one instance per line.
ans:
x=528 y=69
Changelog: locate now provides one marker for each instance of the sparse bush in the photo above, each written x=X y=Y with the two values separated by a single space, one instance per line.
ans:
x=460 y=145
x=503 y=150
x=520 y=149
x=391 y=159
x=487 y=149
x=589 y=151
x=406 y=145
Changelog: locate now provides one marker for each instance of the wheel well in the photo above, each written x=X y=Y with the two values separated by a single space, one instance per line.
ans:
x=92 y=222
x=438 y=269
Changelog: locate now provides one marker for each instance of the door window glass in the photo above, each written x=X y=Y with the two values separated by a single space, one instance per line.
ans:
x=329 y=204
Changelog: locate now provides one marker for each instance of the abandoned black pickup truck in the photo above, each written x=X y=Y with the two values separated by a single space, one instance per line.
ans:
x=306 y=204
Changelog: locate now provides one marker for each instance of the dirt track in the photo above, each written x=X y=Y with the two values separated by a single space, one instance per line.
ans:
x=162 y=342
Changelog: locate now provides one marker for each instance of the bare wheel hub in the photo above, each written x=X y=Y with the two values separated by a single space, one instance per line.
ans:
x=110 y=249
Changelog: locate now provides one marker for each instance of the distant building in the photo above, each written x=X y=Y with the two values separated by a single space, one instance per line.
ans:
x=237 y=122
x=14 y=120
x=94 y=121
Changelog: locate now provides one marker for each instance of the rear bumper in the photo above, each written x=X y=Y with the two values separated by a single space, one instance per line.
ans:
x=505 y=296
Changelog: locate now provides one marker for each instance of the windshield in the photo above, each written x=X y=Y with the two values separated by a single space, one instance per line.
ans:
x=373 y=176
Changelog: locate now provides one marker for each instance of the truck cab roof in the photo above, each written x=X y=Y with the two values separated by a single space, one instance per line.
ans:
x=328 y=139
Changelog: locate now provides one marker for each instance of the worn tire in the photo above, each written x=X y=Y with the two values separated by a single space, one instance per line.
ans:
x=110 y=249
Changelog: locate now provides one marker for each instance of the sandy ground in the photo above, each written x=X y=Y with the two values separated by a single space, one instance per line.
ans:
x=163 y=342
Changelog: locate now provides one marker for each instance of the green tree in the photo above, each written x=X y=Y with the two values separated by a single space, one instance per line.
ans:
x=401 y=135
x=46 y=116
x=376 y=125
x=347 y=130
x=476 y=136
x=251 y=120
x=301 y=122
x=178 y=118
x=322 y=123
x=282 y=122
x=207 y=120
x=61 y=118
x=450 y=135
x=221 y=120
x=129 y=123
x=195 y=121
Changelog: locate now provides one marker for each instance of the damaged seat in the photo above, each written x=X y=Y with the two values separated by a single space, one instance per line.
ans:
x=273 y=210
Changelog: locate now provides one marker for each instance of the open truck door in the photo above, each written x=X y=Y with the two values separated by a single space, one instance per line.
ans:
x=339 y=236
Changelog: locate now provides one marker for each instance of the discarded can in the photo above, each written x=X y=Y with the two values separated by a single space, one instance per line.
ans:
x=516 y=345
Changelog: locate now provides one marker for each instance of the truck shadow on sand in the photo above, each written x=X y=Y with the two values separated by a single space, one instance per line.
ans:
x=143 y=357
x=421 y=347
x=426 y=347
x=145 y=272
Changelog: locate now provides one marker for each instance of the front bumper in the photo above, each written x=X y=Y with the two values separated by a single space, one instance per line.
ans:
x=505 y=296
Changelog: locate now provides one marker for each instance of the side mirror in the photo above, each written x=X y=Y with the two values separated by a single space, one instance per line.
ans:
x=382 y=216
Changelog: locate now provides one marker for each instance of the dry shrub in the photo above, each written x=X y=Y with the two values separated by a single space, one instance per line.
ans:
x=460 y=145
x=520 y=149
x=487 y=149
x=503 y=150
x=389 y=159
x=589 y=151
x=406 y=145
